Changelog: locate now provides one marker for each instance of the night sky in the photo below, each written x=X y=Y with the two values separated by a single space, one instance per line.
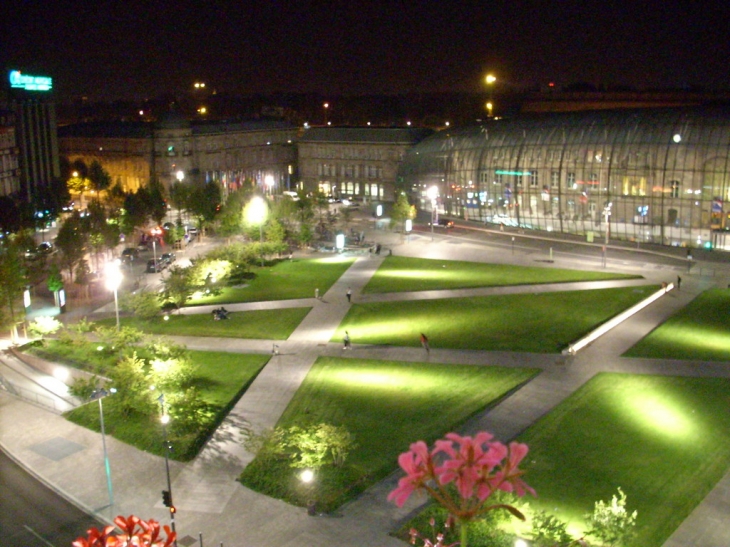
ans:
x=135 y=49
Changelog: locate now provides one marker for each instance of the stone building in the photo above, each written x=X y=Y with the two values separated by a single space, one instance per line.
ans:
x=360 y=162
x=176 y=149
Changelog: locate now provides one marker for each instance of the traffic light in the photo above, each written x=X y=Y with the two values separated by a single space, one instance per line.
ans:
x=167 y=498
x=173 y=510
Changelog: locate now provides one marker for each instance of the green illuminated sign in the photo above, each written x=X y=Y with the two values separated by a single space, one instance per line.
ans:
x=513 y=173
x=27 y=82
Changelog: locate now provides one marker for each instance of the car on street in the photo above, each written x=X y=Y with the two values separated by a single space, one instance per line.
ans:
x=168 y=258
x=444 y=223
x=155 y=266
x=130 y=254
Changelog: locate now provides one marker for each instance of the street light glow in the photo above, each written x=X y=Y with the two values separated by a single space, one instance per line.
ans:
x=307 y=475
x=490 y=79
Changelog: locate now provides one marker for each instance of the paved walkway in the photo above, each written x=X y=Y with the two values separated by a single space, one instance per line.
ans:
x=209 y=499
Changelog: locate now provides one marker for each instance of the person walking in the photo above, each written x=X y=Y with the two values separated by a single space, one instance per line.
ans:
x=424 y=343
x=679 y=282
x=349 y=294
x=346 y=340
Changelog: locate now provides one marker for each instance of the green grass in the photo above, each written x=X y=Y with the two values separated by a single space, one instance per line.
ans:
x=398 y=274
x=540 y=323
x=220 y=377
x=664 y=440
x=258 y=324
x=386 y=405
x=698 y=332
x=287 y=279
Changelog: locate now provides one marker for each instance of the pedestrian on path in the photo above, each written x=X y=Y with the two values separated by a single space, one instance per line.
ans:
x=346 y=340
x=349 y=294
x=316 y=293
x=275 y=350
x=679 y=282
x=424 y=343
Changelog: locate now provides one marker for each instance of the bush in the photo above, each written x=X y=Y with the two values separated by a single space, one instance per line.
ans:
x=549 y=531
x=610 y=523
x=83 y=388
x=142 y=304
x=43 y=326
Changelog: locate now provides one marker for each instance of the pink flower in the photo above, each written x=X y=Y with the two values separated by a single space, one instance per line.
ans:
x=418 y=466
x=476 y=465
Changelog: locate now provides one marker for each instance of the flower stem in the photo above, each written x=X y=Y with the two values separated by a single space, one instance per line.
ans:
x=464 y=532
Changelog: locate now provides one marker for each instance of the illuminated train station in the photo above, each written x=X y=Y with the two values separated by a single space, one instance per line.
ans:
x=652 y=175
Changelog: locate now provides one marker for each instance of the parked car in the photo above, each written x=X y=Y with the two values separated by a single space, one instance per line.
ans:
x=154 y=266
x=168 y=258
x=444 y=223
x=130 y=254
x=46 y=248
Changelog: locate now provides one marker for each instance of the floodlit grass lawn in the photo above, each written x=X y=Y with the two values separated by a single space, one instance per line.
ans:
x=257 y=324
x=220 y=377
x=398 y=274
x=664 y=440
x=540 y=323
x=386 y=406
x=698 y=332
x=285 y=280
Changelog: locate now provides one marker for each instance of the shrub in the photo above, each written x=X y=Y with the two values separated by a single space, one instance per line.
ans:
x=611 y=523
x=43 y=326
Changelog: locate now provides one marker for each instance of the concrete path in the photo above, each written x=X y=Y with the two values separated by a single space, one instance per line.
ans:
x=208 y=498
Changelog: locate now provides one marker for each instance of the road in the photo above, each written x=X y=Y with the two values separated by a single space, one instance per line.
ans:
x=32 y=515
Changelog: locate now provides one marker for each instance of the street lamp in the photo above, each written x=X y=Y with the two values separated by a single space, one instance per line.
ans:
x=269 y=183
x=155 y=233
x=607 y=214
x=167 y=494
x=433 y=194
x=256 y=214
x=99 y=394
x=490 y=79
x=114 y=278
x=326 y=107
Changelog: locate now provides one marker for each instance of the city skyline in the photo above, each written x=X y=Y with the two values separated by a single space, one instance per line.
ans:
x=135 y=50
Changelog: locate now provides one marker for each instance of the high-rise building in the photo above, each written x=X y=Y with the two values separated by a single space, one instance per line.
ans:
x=31 y=108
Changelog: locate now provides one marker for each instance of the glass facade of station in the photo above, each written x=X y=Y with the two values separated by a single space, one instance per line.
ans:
x=655 y=175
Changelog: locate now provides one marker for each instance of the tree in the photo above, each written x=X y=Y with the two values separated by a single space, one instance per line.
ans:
x=156 y=202
x=143 y=304
x=13 y=276
x=99 y=179
x=180 y=198
x=402 y=211
x=204 y=203
x=611 y=523
x=133 y=388
x=230 y=220
x=71 y=242
x=179 y=285
x=134 y=212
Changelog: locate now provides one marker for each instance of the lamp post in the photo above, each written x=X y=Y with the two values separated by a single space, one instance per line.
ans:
x=490 y=80
x=433 y=194
x=113 y=280
x=99 y=395
x=256 y=214
x=326 y=108
x=167 y=495
x=607 y=214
